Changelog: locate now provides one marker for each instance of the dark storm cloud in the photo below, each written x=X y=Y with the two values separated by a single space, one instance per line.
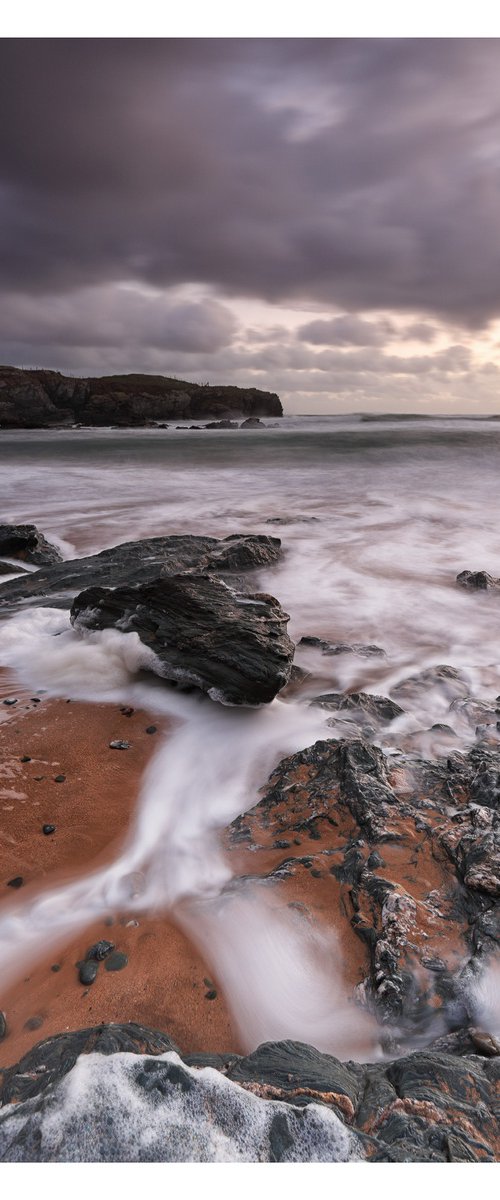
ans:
x=348 y=330
x=353 y=174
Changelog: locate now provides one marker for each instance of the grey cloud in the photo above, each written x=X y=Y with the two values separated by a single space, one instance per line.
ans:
x=356 y=174
x=348 y=330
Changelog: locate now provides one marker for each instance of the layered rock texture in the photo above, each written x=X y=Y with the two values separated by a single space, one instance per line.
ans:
x=41 y=399
x=122 y=1093
x=202 y=634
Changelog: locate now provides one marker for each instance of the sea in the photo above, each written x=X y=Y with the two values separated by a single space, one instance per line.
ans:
x=376 y=518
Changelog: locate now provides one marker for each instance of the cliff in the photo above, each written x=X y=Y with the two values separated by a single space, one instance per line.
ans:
x=40 y=399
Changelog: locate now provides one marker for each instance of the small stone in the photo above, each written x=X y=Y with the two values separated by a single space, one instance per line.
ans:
x=46 y=829
x=211 y=995
x=16 y=882
x=119 y=745
x=34 y=1022
x=55 y=967
x=151 y=729
x=25 y=758
x=116 y=961
x=9 y=702
x=59 y=778
x=35 y=700
x=209 y=983
x=88 y=972
x=317 y=874
x=38 y=778
x=3 y=1025
x=127 y=712
x=485 y=1042
x=100 y=951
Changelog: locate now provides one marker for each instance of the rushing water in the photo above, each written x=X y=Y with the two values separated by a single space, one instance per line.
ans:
x=380 y=519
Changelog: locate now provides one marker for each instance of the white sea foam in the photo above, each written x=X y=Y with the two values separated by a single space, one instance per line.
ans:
x=108 y=1109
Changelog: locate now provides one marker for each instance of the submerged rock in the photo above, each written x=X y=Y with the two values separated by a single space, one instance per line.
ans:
x=331 y=649
x=202 y=634
x=143 y=561
x=477 y=581
x=26 y=543
x=361 y=706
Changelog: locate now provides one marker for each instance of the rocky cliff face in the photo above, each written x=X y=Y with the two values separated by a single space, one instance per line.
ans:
x=40 y=399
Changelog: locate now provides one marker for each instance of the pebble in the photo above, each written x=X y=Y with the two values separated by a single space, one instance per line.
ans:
x=55 y=968
x=100 y=950
x=46 y=829
x=119 y=745
x=25 y=758
x=211 y=995
x=3 y=1025
x=59 y=778
x=127 y=712
x=16 y=882
x=151 y=729
x=116 y=961
x=33 y=1023
x=88 y=972
x=10 y=702
x=35 y=700
x=38 y=778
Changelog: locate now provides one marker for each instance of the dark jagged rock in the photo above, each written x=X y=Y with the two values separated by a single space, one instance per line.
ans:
x=26 y=543
x=9 y=568
x=222 y=425
x=439 y=1105
x=330 y=649
x=143 y=561
x=361 y=706
x=252 y=423
x=414 y=851
x=41 y=399
x=202 y=634
x=477 y=581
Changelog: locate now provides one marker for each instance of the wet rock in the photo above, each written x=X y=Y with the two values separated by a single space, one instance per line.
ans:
x=10 y=702
x=252 y=423
x=477 y=581
x=330 y=649
x=289 y=520
x=222 y=425
x=16 y=882
x=202 y=634
x=361 y=705
x=99 y=951
x=485 y=1042
x=59 y=778
x=26 y=543
x=119 y=745
x=3 y=1026
x=116 y=961
x=48 y=829
x=211 y=995
x=151 y=729
x=25 y=758
x=143 y=561
x=87 y=973
x=449 y=681
x=34 y=1022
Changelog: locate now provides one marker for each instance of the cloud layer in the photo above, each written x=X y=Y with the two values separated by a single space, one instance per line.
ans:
x=149 y=188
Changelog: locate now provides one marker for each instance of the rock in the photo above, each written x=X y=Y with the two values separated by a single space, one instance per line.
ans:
x=25 y=758
x=151 y=729
x=223 y=424
x=28 y=544
x=9 y=568
x=361 y=705
x=142 y=562
x=119 y=745
x=116 y=961
x=202 y=634
x=330 y=649
x=292 y=520
x=16 y=882
x=477 y=581
x=211 y=995
x=41 y=399
x=87 y=973
x=252 y=423
x=48 y=829
x=286 y=1101
x=59 y=778
x=448 y=681
x=3 y=1026
x=10 y=702
x=99 y=951
x=485 y=1042
x=34 y=1022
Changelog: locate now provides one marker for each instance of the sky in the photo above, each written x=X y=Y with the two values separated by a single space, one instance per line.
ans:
x=316 y=217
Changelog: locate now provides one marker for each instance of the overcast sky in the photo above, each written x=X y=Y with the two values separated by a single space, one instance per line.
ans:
x=319 y=218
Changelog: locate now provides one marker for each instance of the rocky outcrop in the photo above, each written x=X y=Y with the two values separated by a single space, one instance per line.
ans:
x=78 y=1097
x=404 y=851
x=40 y=399
x=141 y=562
x=202 y=634
x=26 y=543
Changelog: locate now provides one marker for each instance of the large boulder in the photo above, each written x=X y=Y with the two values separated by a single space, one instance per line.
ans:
x=202 y=633
x=28 y=544
x=141 y=562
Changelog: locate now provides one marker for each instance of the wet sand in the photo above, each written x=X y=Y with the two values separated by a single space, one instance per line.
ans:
x=163 y=983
